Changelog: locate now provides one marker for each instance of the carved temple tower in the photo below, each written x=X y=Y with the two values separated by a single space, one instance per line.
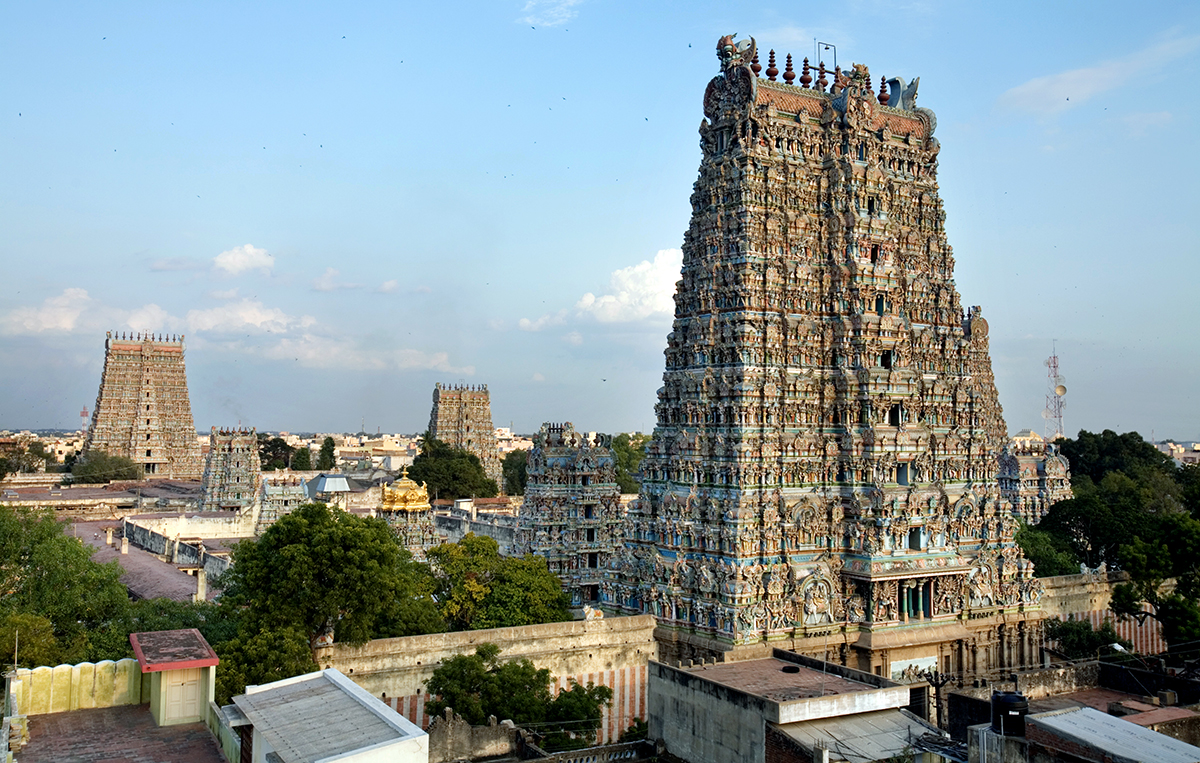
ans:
x=571 y=514
x=462 y=418
x=822 y=476
x=142 y=409
x=232 y=478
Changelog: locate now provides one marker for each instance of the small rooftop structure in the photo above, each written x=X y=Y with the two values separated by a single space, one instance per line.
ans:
x=184 y=673
x=1105 y=737
x=322 y=716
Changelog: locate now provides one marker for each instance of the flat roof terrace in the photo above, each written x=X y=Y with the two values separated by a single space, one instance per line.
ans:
x=779 y=680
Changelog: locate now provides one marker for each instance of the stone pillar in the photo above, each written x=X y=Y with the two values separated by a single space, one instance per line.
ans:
x=201 y=586
x=108 y=532
x=124 y=545
x=919 y=590
x=905 y=596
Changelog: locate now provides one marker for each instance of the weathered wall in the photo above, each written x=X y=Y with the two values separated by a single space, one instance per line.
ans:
x=699 y=720
x=501 y=528
x=173 y=550
x=80 y=687
x=1087 y=596
x=612 y=652
x=451 y=738
x=971 y=705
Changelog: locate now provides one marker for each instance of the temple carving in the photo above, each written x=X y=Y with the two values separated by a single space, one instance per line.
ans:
x=462 y=418
x=405 y=506
x=571 y=514
x=232 y=478
x=823 y=473
x=142 y=409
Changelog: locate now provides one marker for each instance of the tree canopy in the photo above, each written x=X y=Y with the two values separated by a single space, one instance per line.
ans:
x=1135 y=511
x=321 y=570
x=479 y=588
x=302 y=459
x=325 y=459
x=451 y=472
x=97 y=466
x=480 y=685
x=515 y=466
x=274 y=453
x=1078 y=640
x=629 y=450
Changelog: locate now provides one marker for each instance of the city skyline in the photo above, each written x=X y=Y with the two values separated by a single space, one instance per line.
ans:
x=302 y=194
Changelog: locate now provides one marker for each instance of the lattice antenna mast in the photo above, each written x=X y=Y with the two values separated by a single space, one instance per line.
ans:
x=1056 y=390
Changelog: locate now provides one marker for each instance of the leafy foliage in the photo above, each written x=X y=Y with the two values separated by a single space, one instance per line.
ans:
x=480 y=685
x=302 y=459
x=451 y=472
x=325 y=459
x=1050 y=553
x=259 y=657
x=30 y=640
x=1078 y=640
x=629 y=449
x=274 y=453
x=46 y=573
x=479 y=588
x=515 y=467
x=320 y=570
x=97 y=466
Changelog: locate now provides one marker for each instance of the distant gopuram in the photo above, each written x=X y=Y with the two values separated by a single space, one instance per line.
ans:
x=142 y=410
x=571 y=514
x=232 y=478
x=823 y=473
x=462 y=418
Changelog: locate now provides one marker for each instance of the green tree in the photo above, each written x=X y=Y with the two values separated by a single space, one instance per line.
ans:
x=515 y=467
x=319 y=570
x=1095 y=455
x=1171 y=552
x=302 y=459
x=480 y=685
x=47 y=573
x=629 y=450
x=451 y=472
x=1050 y=553
x=30 y=640
x=258 y=657
x=325 y=459
x=1078 y=640
x=274 y=453
x=479 y=588
x=96 y=466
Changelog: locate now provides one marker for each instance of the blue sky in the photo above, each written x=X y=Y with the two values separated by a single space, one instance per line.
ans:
x=342 y=204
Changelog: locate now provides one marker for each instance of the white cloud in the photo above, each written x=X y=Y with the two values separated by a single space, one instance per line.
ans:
x=149 y=318
x=242 y=258
x=1055 y=93
x=314 y=351
x=244 y=314
x=387 y=287
x=226 y=294
x=177 y=263
x=637 y=292
x=1141 y=123
x=555 y=319
x=328 y=281
x=549 y=12
x=422 y=290
x=573 y=338
x=59 y=313
x=538 y=378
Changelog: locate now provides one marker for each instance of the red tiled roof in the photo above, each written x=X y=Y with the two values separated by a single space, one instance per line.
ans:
x=172 y=650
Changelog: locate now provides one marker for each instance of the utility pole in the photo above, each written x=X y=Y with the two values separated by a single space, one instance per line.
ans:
x=937 y=681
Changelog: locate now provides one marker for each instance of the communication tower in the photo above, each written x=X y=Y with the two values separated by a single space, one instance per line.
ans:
x=83 y=420
x=1056 y=390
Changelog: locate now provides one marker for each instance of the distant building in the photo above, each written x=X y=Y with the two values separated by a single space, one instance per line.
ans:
x=572 y=513
x=405 y=506
x=142 y=409
x=232 y=478
x=1033 y=476
x=462 y=418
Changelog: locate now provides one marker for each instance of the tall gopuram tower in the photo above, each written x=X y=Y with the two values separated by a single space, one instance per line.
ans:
x=571 y=514
x=462 y=418
x=822 y=476
x=142 y=410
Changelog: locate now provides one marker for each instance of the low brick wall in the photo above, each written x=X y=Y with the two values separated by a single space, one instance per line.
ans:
x=84 y=686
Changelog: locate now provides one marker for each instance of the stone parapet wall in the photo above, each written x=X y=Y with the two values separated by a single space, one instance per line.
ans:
x=612 y=652
x=174 y=551
x=63 y=688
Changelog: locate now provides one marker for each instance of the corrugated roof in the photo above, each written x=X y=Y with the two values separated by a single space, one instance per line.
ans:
x=320 y=715
x=861 y=738
x=1120 y=740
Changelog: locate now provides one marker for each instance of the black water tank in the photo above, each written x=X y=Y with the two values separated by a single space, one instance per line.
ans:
x=1009 y=709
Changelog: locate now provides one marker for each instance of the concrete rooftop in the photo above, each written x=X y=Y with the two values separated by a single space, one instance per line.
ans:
x=768 y=678
x=126 y=733
x=146 y=576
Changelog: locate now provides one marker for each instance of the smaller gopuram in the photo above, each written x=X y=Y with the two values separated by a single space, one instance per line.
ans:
x=405 y=505
x=232 y=478
x=462 y=418
x=1033 y=476
x=142 y=409
x=572 y=511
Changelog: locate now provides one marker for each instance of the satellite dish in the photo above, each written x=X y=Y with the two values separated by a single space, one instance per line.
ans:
x=1060 y=390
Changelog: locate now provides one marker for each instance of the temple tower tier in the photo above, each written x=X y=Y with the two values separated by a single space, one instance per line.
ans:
x=462 y=418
